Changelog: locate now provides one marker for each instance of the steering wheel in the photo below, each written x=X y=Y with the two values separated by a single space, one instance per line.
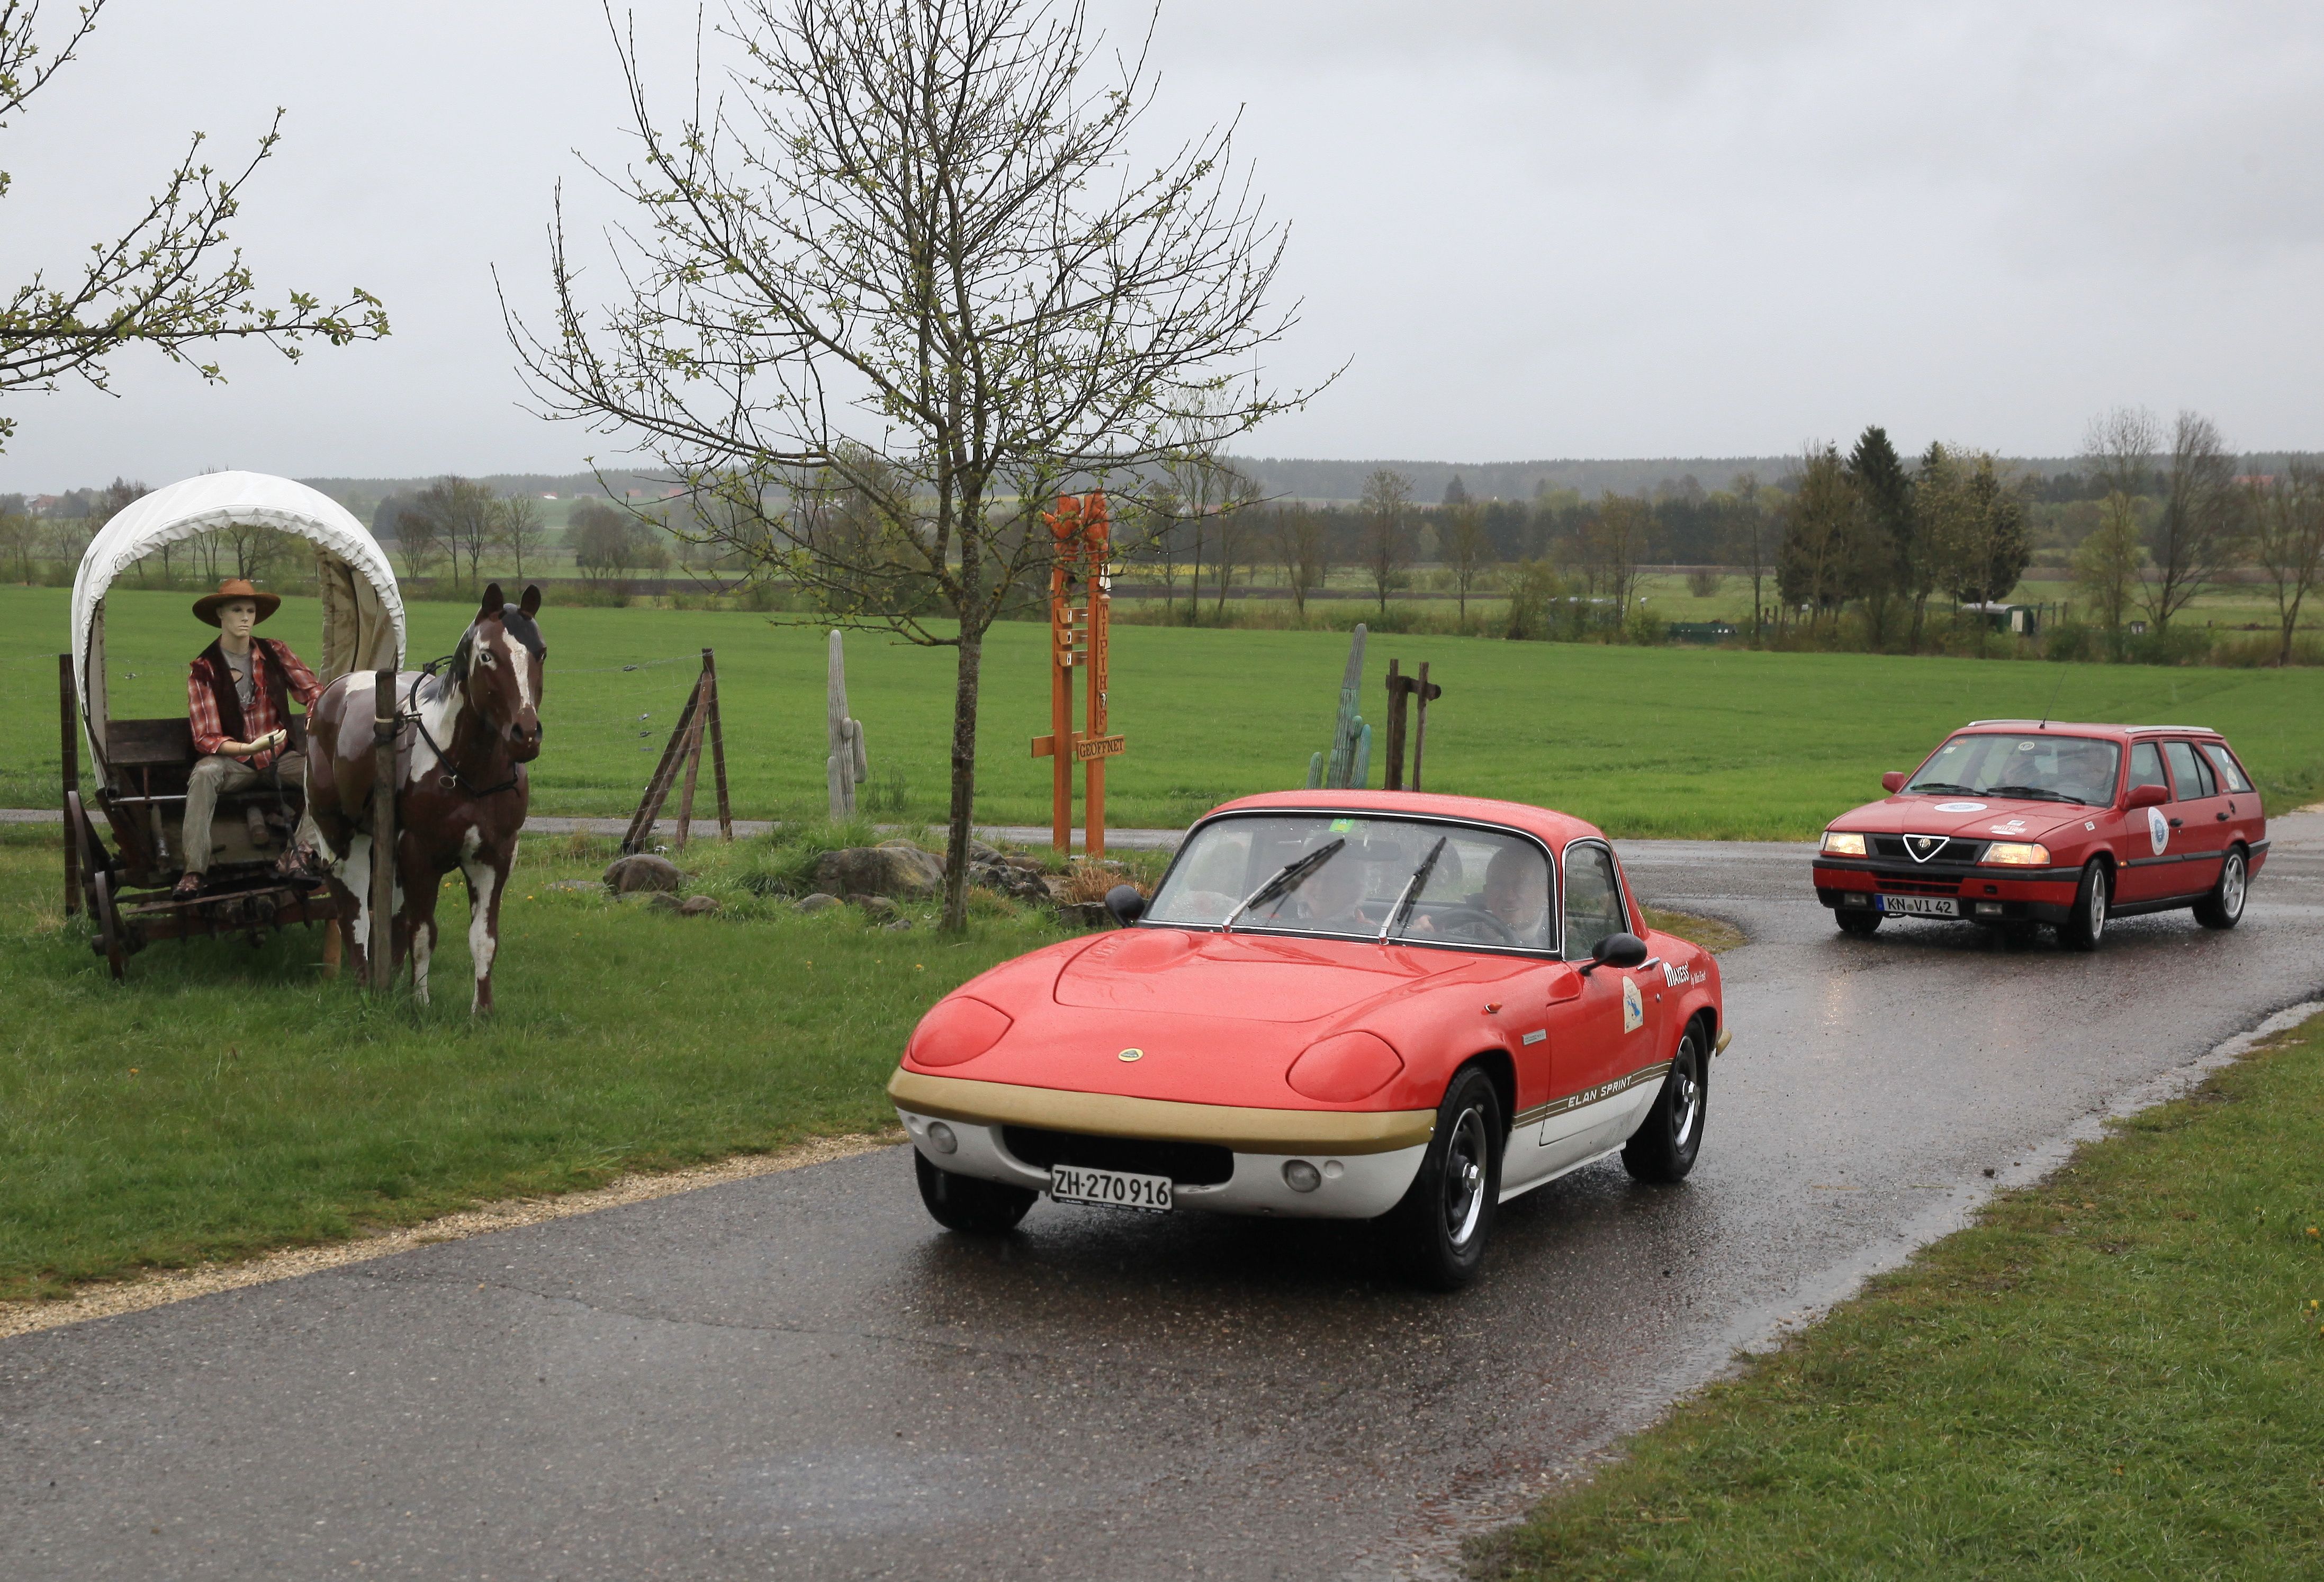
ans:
x=1458 y=915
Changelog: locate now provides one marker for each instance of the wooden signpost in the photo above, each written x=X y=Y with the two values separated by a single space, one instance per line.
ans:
x=1401 y=690
x=1078 y=639
x=697 y=719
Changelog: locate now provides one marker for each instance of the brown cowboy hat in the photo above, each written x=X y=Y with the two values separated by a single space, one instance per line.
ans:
x=205 y=608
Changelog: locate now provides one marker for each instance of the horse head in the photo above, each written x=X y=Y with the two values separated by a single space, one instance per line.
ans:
x=498 y=667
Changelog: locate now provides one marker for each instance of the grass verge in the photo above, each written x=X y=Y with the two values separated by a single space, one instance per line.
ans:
x=2115 y=1374
x=225 y=1100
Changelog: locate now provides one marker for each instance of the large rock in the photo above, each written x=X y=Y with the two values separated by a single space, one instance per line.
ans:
x=817 y=903
x=642 y=870
x=899 y=869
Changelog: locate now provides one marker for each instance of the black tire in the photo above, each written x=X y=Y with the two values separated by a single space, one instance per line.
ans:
x=969 y=1205
x=1665 y=1145
x=1861 y=924
x=1439 y=1230
x=2093 y=906
x=2223 y=907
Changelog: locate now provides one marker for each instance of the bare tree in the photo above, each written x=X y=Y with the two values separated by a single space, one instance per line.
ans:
x=461 y=516
x=517 y=528
x=20 y=539
x=2197 y=533
x=1196 y=487
x=1614 y=543
x=2287 y=537
x=2118 y=450
x=419 y=539
x=1386 y=544
x=170 y=281
x=1302 y=548
x=914 y=229
x=1464 y=544
x=1239 y=529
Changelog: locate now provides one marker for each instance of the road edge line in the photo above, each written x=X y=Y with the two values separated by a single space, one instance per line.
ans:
x=163 y=1287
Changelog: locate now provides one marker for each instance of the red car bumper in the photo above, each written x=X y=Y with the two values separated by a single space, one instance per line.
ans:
x=2045 y=895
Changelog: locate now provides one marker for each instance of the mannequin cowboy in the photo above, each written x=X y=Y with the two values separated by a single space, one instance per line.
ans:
x=238 y=693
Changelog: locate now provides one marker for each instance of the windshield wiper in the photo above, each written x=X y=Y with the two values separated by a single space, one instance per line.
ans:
x=1411 y=895
x=2039 y=794
x=1941 y=788
x=1286 y=878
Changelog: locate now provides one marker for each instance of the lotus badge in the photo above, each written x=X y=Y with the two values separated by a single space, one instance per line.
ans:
x=1132 y=1054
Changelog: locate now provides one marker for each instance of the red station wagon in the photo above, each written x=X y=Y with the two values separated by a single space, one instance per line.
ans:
x=2015 y=822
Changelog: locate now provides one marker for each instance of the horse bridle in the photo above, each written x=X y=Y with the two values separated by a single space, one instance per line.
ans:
x=411 y=712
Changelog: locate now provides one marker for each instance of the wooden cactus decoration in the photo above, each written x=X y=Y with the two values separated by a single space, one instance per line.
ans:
x=1350 y=764
x=844 y=769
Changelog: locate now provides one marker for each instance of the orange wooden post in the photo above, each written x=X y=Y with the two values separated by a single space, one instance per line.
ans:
x=1078 y=636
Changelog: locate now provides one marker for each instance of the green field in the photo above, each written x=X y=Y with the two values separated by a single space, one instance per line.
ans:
x=1645 y=741
x=2115 y=1373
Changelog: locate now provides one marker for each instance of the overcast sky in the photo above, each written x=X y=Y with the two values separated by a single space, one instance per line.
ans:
x=1532 y=229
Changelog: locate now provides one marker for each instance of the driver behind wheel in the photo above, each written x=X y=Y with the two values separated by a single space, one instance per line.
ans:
x=238 y=693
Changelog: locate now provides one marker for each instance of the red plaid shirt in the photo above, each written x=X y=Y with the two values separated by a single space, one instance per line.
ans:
x=258 y=716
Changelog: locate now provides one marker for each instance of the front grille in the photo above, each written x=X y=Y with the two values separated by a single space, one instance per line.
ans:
x=1187 y=1164
x=1951 y=851
x=1918 y=887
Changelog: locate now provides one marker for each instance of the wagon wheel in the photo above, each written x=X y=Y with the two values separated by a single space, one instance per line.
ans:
x=109 y=923
x=94 y=859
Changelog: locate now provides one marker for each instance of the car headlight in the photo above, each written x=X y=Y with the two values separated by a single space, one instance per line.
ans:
x=1840 y=844
x=1345 y=1068
x=961 y=1028
x=2018 y=853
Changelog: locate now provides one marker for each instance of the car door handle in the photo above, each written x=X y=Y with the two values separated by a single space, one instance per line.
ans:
x=2223 y=818
x=2175 y=823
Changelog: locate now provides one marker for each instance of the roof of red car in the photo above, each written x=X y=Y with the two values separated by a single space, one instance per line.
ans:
x=1556 y=829
x=2071 y=728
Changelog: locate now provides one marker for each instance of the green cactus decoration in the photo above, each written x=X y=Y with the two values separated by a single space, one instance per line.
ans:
x=1350 y=760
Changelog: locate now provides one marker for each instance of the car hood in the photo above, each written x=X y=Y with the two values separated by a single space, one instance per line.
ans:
x=1969 y=816
x=1244 y=978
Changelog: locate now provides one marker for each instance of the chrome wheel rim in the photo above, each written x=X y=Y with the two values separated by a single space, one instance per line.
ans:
x=1686 y=1094
x=1464 y=1177
x=2231 y=887
x=2098 y=918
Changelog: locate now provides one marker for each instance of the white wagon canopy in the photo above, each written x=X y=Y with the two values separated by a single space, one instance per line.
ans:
x=362 y=611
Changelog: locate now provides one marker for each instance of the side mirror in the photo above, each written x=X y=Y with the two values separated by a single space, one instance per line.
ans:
x=1126 y=904
x=2147 y=796
x=1892 y=782
x=1617 y=950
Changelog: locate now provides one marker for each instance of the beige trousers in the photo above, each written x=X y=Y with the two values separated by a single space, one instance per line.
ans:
x=217 y=774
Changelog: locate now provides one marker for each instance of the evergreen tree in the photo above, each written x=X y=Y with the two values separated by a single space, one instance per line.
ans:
x=1884 y=539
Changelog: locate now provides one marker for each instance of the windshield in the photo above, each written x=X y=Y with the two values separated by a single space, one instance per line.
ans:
x=2041 y=768
x=1404 y=879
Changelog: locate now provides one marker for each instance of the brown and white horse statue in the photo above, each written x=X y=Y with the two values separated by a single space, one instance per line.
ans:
x=462 y=746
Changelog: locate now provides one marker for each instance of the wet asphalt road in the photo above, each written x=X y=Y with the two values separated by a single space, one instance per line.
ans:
x=797 y=1375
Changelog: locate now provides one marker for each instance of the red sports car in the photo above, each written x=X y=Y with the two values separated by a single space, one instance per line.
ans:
x=1337 y=1005
x=2013 y=823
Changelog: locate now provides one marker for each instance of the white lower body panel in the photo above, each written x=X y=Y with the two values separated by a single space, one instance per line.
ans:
x=1355 y=1186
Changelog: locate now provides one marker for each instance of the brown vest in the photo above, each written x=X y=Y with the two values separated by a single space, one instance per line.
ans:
x=266 y=671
